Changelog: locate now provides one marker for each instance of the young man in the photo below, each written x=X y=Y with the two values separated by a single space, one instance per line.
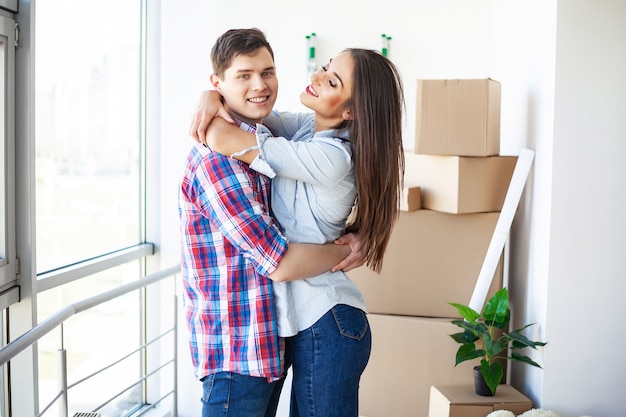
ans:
x=231 y=248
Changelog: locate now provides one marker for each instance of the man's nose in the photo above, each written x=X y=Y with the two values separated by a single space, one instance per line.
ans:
x=258 y=83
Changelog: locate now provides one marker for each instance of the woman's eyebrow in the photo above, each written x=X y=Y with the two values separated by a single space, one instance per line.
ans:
x=335 y=73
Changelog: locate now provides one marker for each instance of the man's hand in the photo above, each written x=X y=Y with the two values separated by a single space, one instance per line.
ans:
x=209 y=106
x=356 y=258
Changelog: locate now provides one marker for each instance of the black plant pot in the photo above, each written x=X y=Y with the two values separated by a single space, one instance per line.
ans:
x=480 y=385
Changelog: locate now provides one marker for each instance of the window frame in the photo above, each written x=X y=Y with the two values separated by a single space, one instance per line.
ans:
x=9 y=292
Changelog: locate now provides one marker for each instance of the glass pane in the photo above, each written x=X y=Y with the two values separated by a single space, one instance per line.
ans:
x=87 y=128
x=93 y=339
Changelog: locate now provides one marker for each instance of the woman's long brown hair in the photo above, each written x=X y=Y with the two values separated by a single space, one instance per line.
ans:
x=377 y=103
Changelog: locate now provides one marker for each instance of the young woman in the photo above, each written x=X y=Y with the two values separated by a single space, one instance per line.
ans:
x=336 y=170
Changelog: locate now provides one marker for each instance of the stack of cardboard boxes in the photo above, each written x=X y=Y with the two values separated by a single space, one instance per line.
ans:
x=455 y=186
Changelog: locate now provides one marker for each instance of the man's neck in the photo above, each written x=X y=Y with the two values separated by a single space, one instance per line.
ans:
x=251 y=122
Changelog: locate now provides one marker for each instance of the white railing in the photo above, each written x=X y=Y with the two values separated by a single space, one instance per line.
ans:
x=57 y=319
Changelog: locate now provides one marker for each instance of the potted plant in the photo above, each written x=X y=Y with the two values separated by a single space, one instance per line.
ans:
x=490 y=330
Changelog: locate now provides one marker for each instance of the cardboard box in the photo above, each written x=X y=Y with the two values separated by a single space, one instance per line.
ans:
x=458 y=117
x=461 y=401
x=460 y=184
x=409 y=355
x=411 y=199
x=432 y=258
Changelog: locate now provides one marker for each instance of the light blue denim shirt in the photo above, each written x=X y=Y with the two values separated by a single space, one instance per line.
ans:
x=312 y=193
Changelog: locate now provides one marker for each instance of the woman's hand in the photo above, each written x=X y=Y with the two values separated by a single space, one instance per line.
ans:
x=356 y=258
x=209 y=106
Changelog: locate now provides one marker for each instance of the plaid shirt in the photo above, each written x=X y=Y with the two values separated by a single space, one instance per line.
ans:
x=229 y=246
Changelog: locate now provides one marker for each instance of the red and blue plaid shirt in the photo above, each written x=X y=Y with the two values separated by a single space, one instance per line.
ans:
x=230 y=244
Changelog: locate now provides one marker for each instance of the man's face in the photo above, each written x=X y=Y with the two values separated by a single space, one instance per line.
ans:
x=249 y=86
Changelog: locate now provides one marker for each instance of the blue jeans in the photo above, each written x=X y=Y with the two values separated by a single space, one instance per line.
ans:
x=328 y=360
x=227 y=394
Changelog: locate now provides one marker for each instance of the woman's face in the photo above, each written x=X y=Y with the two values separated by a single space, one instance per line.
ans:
x=330 y=89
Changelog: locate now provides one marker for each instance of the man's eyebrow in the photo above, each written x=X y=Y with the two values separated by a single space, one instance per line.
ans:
x=251 y=70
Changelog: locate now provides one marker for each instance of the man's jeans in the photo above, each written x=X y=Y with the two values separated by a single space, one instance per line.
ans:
x=227 y=394
x=328 y=360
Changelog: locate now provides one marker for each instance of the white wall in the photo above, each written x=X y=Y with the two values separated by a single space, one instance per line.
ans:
x=587 y=286
x=561 y=65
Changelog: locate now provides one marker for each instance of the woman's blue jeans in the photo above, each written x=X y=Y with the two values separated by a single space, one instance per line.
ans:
x=328 y=360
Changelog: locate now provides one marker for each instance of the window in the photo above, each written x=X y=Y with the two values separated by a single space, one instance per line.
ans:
x=89 y=192
x=87 y=129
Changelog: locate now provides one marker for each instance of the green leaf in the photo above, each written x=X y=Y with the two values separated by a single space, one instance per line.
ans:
x=465 y=337
x=476 y=328
x=521 y=329
x=466 y=312
x=492 y=373
x=467 y=352
x=503 y=323
x=521 y=341
x=523 y=358
x=493 y=346
x=496 y=310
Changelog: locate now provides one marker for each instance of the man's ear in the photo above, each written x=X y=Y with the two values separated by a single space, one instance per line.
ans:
x=215 y=82
x=346 y=114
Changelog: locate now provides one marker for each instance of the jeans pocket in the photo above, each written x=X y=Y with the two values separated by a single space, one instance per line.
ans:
x=351 y=322
x=207 y=387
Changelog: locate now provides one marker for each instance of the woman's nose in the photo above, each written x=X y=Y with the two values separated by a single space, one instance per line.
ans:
x=316 y=75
